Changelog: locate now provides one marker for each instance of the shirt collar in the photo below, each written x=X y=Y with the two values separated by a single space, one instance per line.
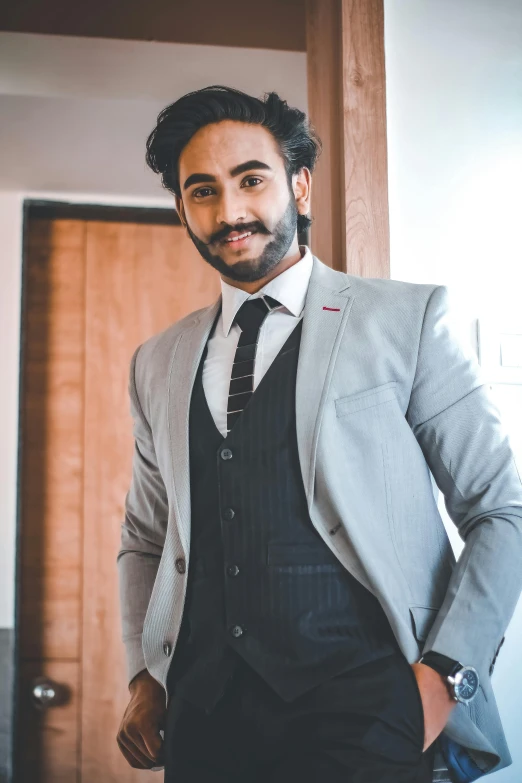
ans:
x=289 y=288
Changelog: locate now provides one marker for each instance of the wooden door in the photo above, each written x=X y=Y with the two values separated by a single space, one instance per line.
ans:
x=93 y=290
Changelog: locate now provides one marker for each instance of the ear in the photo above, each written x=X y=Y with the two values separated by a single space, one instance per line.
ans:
x=180 y=210
x=302 y=187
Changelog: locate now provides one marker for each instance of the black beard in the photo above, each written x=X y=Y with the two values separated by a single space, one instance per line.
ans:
x=249 y=271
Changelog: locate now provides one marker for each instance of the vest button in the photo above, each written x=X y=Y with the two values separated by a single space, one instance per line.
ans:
x=229 y=513
x=180 y=565
x=167 y=649
x=232 y=570
x=226 y=454
x=237 y=631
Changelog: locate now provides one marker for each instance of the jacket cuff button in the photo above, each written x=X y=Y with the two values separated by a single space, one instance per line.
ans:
x=167 y=649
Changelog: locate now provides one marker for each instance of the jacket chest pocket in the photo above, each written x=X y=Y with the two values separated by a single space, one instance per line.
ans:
x=359 y=401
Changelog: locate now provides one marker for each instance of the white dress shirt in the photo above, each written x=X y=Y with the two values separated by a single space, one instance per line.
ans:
x=290 y=289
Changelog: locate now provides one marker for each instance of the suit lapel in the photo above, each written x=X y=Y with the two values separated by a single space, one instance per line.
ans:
x=183 y=369
x=327 y=307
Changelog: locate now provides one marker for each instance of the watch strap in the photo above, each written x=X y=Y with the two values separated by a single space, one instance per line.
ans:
x=441 y=663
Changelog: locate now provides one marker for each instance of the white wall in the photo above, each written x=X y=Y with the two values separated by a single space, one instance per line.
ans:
x=76 y=111
x=454 y=106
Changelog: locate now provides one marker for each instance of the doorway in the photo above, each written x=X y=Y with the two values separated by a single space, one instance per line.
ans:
x=97 y=282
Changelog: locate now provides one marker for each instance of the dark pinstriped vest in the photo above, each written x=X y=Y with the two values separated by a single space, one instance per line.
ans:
x=262 y=584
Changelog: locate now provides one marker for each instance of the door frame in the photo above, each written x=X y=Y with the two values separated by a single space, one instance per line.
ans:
x=63 y=210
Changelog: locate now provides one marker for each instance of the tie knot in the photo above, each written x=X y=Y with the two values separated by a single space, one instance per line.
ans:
x=252 y=312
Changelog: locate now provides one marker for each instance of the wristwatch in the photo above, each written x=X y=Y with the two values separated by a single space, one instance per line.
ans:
x=463 y=681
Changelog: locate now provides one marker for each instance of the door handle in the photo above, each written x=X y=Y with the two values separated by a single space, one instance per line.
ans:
x=46 y=693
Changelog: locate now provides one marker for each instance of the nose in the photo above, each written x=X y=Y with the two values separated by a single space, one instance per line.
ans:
x=231 y=209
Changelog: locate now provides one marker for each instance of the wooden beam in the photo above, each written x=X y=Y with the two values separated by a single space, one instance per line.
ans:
x=347 y=107
x=323 y=42
x=245 y=23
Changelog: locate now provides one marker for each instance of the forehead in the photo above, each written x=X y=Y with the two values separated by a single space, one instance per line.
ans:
x=217 y=148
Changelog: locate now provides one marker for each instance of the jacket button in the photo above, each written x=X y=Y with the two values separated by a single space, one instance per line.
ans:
x=229 y=513
x=232 y=570
x=167 y=648
x=237 y=631
x=226 y=454
x=180 y=565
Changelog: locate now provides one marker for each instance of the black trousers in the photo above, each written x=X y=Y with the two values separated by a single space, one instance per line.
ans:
x=363 y=726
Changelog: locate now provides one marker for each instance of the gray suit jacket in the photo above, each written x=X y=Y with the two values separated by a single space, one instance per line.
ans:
x=385 y=394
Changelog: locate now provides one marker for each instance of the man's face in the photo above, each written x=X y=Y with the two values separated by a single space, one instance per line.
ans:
x=233 y=181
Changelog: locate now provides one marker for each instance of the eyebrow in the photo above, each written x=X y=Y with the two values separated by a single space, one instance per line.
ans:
x=242 y=167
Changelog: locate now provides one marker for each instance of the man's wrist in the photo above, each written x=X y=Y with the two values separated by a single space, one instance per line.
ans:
x=142 y=676
x=440 y=679
x=462 y=681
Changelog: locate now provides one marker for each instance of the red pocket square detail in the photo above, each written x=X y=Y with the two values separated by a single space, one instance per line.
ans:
x=335 y=309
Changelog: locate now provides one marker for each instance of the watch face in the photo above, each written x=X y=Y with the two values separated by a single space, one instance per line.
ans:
x=466 y=683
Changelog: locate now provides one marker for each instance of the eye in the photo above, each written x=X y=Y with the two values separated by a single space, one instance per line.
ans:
x=200 y=192
x=197 y=193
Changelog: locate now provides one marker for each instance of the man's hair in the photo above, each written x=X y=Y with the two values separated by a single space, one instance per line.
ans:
x=177 y=123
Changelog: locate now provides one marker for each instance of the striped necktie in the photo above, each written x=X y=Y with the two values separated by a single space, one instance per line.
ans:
x=250 y=316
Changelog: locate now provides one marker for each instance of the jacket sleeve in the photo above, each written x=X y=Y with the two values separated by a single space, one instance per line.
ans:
x=142 y=533
x=457 y=425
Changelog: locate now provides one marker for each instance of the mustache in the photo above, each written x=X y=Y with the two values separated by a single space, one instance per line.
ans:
x=255 y=227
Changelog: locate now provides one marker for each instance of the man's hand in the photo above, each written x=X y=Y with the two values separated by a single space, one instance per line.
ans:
x=138 y=737
x=437 y=702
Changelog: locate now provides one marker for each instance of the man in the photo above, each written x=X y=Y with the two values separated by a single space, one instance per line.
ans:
x=283 y=566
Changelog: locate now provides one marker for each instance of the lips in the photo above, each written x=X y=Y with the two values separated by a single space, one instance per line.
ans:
x=236 y=236
x=241 y=243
